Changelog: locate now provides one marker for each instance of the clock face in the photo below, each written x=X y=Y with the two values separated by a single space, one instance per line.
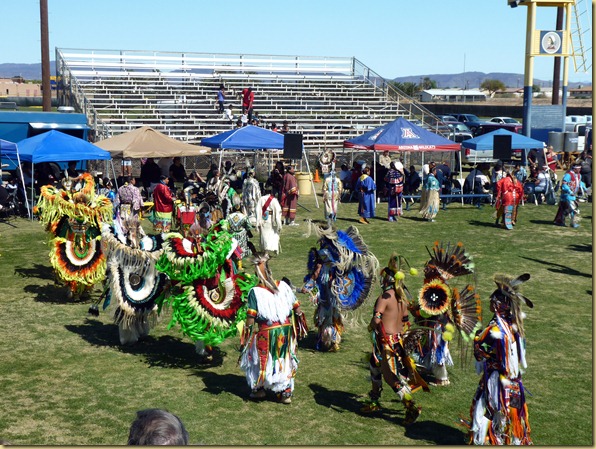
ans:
x=551 y=42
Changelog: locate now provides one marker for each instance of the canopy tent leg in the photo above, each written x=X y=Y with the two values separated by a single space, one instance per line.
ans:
x=114 y=174
x=375 y=174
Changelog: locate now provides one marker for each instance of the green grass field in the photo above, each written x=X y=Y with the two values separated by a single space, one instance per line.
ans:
x=65 y=380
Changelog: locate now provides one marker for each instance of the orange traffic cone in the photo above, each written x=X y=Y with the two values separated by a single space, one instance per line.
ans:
x=316 y=178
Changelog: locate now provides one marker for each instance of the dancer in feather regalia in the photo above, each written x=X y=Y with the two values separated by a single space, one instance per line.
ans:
x=444 y=306
x=208 y=296
x=390 y=332
x=269 y=351
x=341 y=273
x=74 y=220
x=133 y=282
x=499 y=413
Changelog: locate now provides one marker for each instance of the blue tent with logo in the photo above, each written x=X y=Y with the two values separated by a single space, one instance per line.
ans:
x=401 y=135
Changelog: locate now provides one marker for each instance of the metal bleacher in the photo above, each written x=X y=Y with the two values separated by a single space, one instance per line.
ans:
x=327 y=99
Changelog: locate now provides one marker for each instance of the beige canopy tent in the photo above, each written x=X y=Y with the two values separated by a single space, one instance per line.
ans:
x=147 y=142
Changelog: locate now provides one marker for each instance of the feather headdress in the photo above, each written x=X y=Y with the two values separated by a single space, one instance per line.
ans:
x=507 y=298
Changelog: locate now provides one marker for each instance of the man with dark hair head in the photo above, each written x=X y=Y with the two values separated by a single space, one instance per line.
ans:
x=155 y=427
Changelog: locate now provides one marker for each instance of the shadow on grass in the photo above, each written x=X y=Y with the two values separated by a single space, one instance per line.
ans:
x=349 y=220
x=164 y=351
x=37 y=271
x=485 y=224
x=309 y=343
x=51 y=293
x=217 y=383
x=558 y=268
x=543 y=222
x=435 y=432
x=587 y=248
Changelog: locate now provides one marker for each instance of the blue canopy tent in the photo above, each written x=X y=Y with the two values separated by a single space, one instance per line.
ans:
x=518 y=141
x=401 y=135
x=246 y=138
x=55 y=146
x=249 y=138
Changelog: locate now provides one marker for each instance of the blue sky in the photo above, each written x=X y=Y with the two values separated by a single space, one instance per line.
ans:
x=392 y=37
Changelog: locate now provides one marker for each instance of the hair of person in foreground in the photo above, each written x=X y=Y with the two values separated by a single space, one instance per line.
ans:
x=155 y=427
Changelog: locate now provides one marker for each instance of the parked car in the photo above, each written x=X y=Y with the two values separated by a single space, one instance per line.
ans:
x=472 y=121
x=490 y=127
x=504 y=120
x=447 y=118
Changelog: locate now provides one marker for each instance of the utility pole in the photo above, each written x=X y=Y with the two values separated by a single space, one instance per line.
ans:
x=45 y=57
x=557 y=64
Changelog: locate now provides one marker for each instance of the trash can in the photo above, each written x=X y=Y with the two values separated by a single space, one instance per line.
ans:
x=304 y=185
x=556 y=139
x=570 y=145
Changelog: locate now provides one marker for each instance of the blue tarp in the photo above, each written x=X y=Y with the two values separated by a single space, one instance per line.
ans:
x=54 y=146
x=518 y=141
x=246 y=138
x=401 y=135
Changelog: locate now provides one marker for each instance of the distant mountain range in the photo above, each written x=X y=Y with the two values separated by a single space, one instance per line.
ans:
x=468 y=80
x=472 y=80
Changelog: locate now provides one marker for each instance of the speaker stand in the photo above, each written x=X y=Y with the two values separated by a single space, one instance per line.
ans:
x=312 y=183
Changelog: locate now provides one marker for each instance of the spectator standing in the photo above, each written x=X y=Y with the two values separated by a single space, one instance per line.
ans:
x=248 y=98
x=290 y=197
x=177 y=171
x=385 y=159
x=155 y=427
x=551 y=158
x=276 y=180
x=163 y=206
x=366 y=187
x=413 y=181
x=586 y=170
x=221 y=98
x=164 y=164
x=128 y=201
x=285 y=128
x=150 y=173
